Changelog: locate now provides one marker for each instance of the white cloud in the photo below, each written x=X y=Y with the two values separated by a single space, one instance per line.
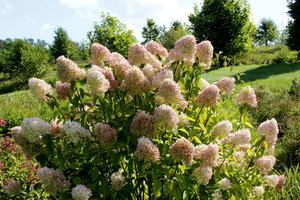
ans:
x=133 y=13
x=7 y=7
x=46 y=27
x=28 y=18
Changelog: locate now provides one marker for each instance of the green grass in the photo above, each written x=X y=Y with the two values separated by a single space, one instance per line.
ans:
x=275 y=77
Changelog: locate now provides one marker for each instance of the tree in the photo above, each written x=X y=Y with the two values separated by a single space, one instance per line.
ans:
x=113 y=34
x=226 y=23
x=150 y=32
x=61 y=43
x=293 y=40
x=21 y=60
x=266 y=32
x=175 y=32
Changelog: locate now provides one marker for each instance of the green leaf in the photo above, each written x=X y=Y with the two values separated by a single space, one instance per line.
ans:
x=94 y=174
x=77 y=180
x=86 y=151
x=37 y=186
x=176 y=193
x=167 y=187
x=157 y=185
x=41 y=158
x=248 y=124
x=74 y=166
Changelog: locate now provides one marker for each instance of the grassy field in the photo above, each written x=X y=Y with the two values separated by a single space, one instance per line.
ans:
x=275 y=77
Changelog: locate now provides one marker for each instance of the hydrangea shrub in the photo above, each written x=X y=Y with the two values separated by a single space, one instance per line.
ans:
x=148 y=128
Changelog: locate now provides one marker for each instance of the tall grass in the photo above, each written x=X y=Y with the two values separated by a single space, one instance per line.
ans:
x=17 y=106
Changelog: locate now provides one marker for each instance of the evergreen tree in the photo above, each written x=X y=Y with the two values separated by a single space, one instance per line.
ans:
x=293 y=40
x=61 y=43
x=266 y=32
x=150 y=32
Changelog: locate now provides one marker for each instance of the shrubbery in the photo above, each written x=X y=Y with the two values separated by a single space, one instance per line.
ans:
x=148 y=131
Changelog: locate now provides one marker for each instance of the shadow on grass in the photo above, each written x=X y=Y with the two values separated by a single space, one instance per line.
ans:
x=265 y=71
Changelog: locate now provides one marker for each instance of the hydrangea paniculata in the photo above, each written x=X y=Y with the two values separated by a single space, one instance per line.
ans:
x=105 y=134
x=80 y=192
x=157 y=49
x=184 y=50
x=258 y=190
x=40 y=89
x=222 y=129
x=146 y=150
x=204 y=54
x=247 y=96
x=75 y=132
x=182 y=150
x=208 y=154
x=135 y=81
x=161 y=76
x=115 y=58
x=202 y=174
x=169 y=92
x=53 y=180
x=34 y=127
x=166 y=117
x=208 y=97
x=67 y=70
x=143 y=124
x=239 y=137
x=226 y=85
x=97 y=84
x=63 y=90
x=270 y=130
x=204 y=83
x=265 y=163
x=117 y=181
x=224 y=184
x=99 y=53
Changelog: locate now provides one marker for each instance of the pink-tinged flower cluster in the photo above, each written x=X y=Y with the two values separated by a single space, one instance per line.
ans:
x=105 y=134
x=258 y=190
x=117 y=181
x=202 y=174
x=244 y=147
x=149 y=71
x=2 y=123
x=182 y=150
x=270 y=130
x=107 y=72
x=99 y=53
x=13 y=188
x=265 y=163
x=67 y=70
x=157 y=49
x=239 y=137
x=135 y=81
x=160 y=77
x=247 y=96
x=184 y=50
x=281 y=183
x=208 y=97
x=97 y=84
x=204 y=54
x=222 y=129
x=224 y=184
x=35 y=127
x=40 y=89
x=138 y=55
x=121 y=70
x=75 y=132
x=146 y=150
x=276 y=181
x=54 y=181
x=204 y=84
x=241 y=162
x=166 y=117
x=114 y=59
x=31 y=149
x=169 y=92
x=226 y=85
x=208 y=154
x=143 y=124
x=80 y=192
x=56 y=127
x=183 y=121
x=63 y=90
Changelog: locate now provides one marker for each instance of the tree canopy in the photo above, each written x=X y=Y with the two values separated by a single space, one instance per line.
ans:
x=61 y=43
x=266 y=32
x=226 y=23
x=113 y=34
x=150 y=32
x=293 y=40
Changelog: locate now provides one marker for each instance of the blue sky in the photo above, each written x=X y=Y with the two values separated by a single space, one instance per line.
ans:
x=38 y=19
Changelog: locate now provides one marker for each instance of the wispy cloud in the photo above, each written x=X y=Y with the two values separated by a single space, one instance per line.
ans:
x=46 y=27
x=28 y=18
x=133 y=13
x=7 y=7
